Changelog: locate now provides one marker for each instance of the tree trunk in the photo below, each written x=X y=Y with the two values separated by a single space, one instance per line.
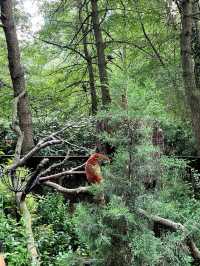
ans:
x=20 y=196
x=17 y=73
x=105 y=93
x=35 y=261
x=93 y=94
x=191 y=90
x=196 y=43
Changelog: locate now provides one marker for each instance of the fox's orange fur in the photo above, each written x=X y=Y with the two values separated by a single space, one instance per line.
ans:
x=92 y=167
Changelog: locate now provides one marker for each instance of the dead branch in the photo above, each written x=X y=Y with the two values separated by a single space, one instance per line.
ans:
x=41 y=144
x=66 y=190
x=195 y=252
x=55 y=176
x=55 y=165
x=47 y=141
x=141 y=48
x=149 y=40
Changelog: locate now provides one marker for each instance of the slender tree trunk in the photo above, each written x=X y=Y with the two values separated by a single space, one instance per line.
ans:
x=17 y=73
x=20 y=196
x=191 y=90
x=31 y=245
x=93 y=94
x=105 y=93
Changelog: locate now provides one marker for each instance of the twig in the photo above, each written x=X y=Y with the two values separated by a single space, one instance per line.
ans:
x=62 y=47
x=148 y=39
x=53 y=166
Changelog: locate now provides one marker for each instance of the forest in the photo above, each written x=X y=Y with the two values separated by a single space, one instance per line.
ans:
x=99 y=132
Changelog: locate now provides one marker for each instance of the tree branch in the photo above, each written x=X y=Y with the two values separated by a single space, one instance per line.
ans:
x=66 y=190
x=38 y=147
x=63 y=47
x=53 y=166
x=148 y=39
x=55 y=176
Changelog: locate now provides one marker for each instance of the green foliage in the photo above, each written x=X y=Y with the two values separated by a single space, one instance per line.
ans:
x=12 y=233
x=143 y=38
x=149 y=250
x=54 y=231
x=179 y=139
x=106 y=231
x=115 y=233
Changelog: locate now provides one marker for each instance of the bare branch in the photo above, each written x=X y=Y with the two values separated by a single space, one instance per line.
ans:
x=60 y=5
x=38 y=147
x=53 y=166
x=66 y=190
x=55 y=176
x=47 y=141
x=131 y=44
x=80 y=28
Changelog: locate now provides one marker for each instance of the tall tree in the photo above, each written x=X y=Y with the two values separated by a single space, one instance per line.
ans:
x=100 y=46
x=196 y=42
x=17 y=73
x=88 y=56
x=191 y=86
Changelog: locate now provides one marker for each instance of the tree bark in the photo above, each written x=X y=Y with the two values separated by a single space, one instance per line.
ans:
x=93 y=93
x=191 y=90
x=100 y=46
x=17 y=73
x=196 y=42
